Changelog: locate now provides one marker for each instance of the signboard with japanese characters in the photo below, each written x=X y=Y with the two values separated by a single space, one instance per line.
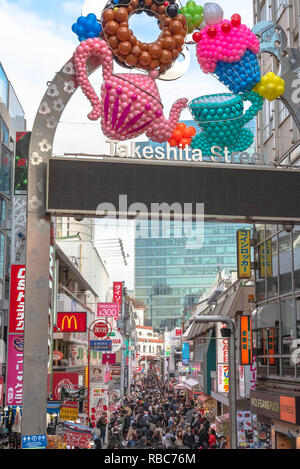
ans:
x=266 y=260
x=248 y=375
x=117 y=294
x=244 y=254
x=14 y=375
x=222 y=360
x=246 y=356
x=16 y=301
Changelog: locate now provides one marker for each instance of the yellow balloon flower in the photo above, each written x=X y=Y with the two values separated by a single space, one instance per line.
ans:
x=271 y=86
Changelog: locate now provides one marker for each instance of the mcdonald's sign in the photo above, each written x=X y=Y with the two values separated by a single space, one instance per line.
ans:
x=71 y=322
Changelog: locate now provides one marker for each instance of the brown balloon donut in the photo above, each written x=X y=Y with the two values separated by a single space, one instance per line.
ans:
x=128 y=50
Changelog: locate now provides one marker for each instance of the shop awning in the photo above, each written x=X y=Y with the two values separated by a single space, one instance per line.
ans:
x=222 y=418
x=204 y=397
x=190 y=383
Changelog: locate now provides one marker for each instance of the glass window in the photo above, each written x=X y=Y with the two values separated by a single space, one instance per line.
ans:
x=4 y=133
x=15 y=108
x=5 y=171
x=2 y=248
x=285 y=262
x=3 y=87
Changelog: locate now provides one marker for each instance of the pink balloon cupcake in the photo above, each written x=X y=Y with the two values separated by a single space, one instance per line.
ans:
x=229 y=49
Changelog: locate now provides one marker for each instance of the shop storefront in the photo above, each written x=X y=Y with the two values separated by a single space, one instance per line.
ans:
x=280 y=415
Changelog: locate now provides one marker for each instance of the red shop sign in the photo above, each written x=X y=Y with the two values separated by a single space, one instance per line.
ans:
x=101 y=330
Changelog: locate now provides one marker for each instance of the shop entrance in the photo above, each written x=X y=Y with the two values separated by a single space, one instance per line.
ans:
x=283 y=442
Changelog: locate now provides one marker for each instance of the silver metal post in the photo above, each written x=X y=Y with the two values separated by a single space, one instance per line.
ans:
x=232 y=372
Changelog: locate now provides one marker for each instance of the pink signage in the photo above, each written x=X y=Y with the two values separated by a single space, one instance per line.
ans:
x=108 y=359
x=17 y=298
x=1 y=390
x=14 y=394
x=107 y=310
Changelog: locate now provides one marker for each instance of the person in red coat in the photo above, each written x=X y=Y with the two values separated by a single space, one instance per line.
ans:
x=212 y=440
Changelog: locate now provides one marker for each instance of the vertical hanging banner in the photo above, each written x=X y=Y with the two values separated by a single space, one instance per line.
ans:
x=246 y=356
x=244 y=254
x=222 y=360
x=266 y=260
x=117 y=293
x=14 y=373
x=17 y=297
x=15 y=350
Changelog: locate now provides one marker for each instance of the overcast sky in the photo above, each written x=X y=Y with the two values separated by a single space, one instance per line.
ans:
x=36 y=40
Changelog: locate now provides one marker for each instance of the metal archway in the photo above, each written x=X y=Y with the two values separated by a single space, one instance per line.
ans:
x=36 y=325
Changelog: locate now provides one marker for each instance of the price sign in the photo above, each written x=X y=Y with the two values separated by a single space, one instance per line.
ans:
x=107 y=310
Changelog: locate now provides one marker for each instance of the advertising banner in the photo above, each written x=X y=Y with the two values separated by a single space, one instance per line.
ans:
x=117 y=294
x=71 y=322
x=77 y=439
x=116 y=340
x=222 y=361
x=17 y=298
x=246 y=357
x=69 y=412
x=248 y=379
x=185 y=353
x=244 y=254
x=68 y=381
x=108 y=310
x=14 y=375
x=109 y=359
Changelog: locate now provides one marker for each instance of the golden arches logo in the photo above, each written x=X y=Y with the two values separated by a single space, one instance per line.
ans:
x=69 y=321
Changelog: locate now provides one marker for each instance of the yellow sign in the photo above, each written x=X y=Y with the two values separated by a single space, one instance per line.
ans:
x=265 y=252
x=244 y=253
x=69 y=320
x=68 y=413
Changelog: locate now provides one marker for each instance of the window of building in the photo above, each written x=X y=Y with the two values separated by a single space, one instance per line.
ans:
x=3 y=87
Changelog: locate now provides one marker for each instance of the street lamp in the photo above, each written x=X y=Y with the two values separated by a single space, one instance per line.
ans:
x=230 y=334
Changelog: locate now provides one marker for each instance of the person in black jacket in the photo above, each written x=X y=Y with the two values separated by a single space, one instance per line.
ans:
x=188 y=438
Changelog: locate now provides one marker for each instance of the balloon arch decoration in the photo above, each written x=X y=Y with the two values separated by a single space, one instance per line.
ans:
x=130 y=105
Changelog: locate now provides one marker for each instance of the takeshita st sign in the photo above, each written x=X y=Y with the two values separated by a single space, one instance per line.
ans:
x=152 y=152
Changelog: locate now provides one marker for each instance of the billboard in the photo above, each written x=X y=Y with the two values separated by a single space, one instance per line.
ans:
x=71 y=322
x=248 y=193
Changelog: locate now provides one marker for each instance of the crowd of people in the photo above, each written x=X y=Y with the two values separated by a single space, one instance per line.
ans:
x=154 y=417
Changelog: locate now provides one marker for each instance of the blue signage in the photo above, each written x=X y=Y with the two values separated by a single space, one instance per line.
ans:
x=185 y=353
x=34 y=442
x=101 y=345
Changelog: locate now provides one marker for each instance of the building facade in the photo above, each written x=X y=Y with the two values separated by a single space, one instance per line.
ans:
x=12 y=120
x=171 y=276
x=277 y=261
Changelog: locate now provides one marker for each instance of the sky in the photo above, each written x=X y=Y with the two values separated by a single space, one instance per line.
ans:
x=36 y=40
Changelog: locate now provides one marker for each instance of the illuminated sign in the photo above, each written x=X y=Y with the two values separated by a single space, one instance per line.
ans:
x=246 y=357
x=244 y=253
x=71 y=322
